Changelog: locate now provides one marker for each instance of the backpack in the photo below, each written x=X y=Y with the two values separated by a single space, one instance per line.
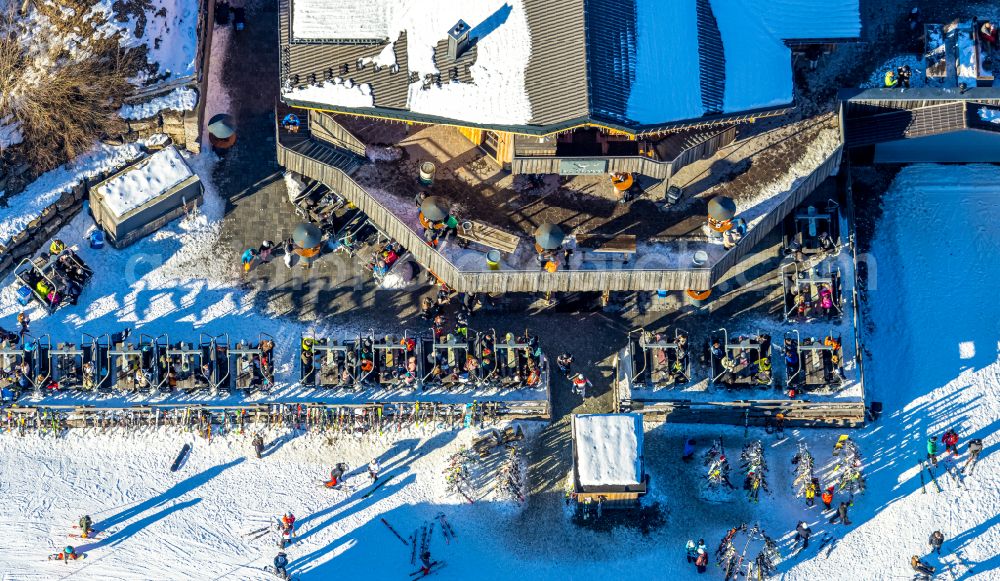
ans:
x=702 y=559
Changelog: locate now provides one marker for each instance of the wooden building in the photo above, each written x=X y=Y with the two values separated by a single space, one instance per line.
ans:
x=608 y=464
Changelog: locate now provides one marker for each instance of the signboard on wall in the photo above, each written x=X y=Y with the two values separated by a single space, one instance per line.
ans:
x=581 y=167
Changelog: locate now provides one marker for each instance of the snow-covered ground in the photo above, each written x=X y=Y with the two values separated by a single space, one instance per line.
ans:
x=182 y=99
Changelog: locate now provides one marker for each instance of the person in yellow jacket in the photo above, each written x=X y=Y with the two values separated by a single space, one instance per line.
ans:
x=56 y=247
x=890 y=80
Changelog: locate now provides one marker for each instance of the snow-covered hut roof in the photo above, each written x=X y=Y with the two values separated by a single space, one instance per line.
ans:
x=542 y=65
x=608 y=449
x=144 y=181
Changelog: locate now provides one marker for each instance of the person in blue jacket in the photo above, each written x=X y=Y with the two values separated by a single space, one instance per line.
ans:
x=281 y=565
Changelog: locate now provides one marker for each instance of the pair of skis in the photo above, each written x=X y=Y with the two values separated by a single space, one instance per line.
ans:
x=924 y=465
x=434 y=568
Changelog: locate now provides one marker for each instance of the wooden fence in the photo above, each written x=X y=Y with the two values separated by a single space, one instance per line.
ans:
x=798 y=413
x=657 y=169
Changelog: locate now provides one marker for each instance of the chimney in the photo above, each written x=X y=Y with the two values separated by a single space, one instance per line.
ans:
x=458 y=39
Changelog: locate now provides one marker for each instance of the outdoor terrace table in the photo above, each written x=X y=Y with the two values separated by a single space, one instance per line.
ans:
x=489 y=236
x=622 y=244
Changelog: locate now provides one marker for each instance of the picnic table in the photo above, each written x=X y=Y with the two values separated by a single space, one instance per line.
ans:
x=488 y=236
x=600 y=244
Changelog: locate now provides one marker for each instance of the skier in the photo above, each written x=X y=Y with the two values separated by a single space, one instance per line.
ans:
x=688 y=450
x=975 y=448
x=803 y=532
x=288 y=520
x=580 y=385
x=935 y=541
x=373 y=469
x=287 y=532
x=68 y=554
x=258 y=444
x=841 y=515
x=702 y=561
x=281 y=565
x=425 y=561
x=827 y=498
x=921 y=568
x=335 y=475
x=85 y=526
x=565 y=362
x=932 y=450
x=950 y=440
x=691 y=550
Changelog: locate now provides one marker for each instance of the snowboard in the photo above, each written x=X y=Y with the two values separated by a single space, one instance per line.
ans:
x=181 y=457
x=93 y=535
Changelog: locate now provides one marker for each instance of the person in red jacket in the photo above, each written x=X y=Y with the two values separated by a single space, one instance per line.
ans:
x=950 y=439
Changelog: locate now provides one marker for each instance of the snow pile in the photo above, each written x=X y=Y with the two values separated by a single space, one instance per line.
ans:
x=294 y=185
x=989 y=115
x=43 y=192
x=608 y=449
x=10 y=132
x=498 y=93
x=183 y=99
x=661 y=93
x=341 y=19
x=339 y=92
x=144 y=181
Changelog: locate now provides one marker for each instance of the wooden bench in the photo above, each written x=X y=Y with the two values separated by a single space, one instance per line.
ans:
x=489 y=236
x=599 y=244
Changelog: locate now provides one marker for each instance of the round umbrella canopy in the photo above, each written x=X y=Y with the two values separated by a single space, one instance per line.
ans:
x=721 y=208
x=434 y=208
x=549 y=236
x=222 y=126
x=306 y=235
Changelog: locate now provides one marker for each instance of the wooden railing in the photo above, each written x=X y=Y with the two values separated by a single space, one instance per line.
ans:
x=657 y=169
x=325 y=128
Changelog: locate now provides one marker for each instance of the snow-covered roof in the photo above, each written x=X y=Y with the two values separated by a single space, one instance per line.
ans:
x=657 y=63
x=144 y=181
x=608 y=449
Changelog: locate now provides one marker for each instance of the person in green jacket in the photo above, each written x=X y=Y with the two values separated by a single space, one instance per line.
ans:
x=932 y=450
x=890 y=79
